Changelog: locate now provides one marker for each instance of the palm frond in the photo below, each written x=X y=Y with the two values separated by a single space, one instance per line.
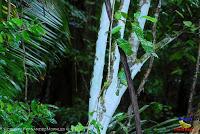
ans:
x=38 y=51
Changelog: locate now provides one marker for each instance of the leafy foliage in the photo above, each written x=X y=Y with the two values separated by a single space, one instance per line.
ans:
x=28 y=43
x=122 y=122
x=23 y=117
x=125 y=46
x=12 y=54
x=33 y=30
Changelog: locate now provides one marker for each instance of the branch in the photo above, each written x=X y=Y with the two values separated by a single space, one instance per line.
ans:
x=110 y=41
x=108 y=9
x=133 y=96
x=141 y=86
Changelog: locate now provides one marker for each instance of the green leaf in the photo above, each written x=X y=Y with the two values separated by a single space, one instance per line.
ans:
x=116 y=29
x=125 y=15
x=9 y=108
x=78 y=128
x=37 y=30
x=53 y=121
x=136 y=15
x=25 y=36
x=179 y=13
x=137 y=29
x=190 y=57
x=147 y=45
x=40 y=30
x=187 y=23
x=122 y=77
x=154 y=20
x=177 y=71
x=1 y=38
x=118 y=15
x=193 y=28
x=125 y=46
x=18 y=22
x=97 y=125
x=2 y=62
x=119 y=117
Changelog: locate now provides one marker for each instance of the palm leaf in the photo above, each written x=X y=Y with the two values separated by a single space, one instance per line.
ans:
x=38 y=51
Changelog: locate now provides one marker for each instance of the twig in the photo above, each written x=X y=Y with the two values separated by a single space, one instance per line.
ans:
x=195 y=77
x=141 y=86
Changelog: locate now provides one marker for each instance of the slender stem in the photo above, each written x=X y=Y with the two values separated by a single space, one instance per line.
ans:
x=133 y=96
x=195 y=77
x=110 y=42
x=108 y=9
x=141 y=86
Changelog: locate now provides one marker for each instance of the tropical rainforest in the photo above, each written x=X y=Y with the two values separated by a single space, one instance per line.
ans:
x=99 y=66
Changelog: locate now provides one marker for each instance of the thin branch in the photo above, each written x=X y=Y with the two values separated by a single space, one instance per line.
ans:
x=108 y=9
x=133 y=96
x=195 y=77
x=141 y=86
x=110 y=42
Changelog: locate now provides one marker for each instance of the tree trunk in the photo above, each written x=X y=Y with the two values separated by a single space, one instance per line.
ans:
x=104 y=108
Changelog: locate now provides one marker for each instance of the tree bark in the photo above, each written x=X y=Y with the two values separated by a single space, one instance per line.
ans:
x=101 y=44
x=104 y=110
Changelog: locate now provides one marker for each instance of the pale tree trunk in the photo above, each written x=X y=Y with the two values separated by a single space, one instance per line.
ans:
x=144 y=9
x=101 y=43
x=104 y=109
